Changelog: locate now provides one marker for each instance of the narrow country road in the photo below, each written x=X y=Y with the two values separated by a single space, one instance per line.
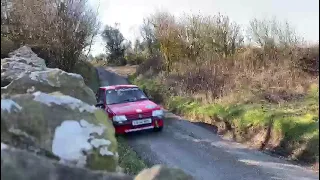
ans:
x=204 y=154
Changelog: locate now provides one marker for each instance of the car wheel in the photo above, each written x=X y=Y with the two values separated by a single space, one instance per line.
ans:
x=159 y=129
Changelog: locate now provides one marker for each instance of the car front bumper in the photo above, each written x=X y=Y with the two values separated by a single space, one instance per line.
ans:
x=128 y=127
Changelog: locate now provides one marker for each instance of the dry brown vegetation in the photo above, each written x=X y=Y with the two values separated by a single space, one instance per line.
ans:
x=263 y=92
x=206 y=55
x=58 y=31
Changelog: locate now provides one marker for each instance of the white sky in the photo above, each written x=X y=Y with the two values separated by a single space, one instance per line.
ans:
x=303 y=15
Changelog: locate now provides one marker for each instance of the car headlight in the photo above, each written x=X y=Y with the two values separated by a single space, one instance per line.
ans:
x=119 y=118
x=158 y=113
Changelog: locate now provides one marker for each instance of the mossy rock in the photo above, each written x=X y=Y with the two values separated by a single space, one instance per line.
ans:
x=25 y=53
x=51 y=80
x=76 y=132
x=12 y=69
x=24 y=72
x=25 y=165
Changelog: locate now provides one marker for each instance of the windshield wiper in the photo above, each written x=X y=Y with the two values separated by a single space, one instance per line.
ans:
x=128 y=100
x=142 y=99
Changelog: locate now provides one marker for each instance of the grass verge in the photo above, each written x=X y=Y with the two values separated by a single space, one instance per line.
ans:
x=128 y=159
x=290 y=129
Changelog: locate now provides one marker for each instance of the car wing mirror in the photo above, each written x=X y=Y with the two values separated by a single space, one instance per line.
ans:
x=96 y=96
x=100 y=105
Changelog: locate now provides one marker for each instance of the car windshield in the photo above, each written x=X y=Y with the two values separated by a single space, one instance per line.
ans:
x=116 y=96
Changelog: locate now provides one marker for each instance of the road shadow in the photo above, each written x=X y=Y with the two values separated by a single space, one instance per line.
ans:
x=209 y=127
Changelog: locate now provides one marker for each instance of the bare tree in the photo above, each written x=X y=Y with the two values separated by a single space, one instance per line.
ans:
x=272 y=33
x=167 y=32
x=60 y=30
x=147 y=31
x=96 y=24
x=193 y=37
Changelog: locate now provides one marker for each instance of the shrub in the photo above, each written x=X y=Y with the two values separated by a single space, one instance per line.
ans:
x=89 y=74
x=59 y=31
x=7 y=46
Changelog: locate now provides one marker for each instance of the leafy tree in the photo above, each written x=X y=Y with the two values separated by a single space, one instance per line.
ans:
x=115 y=44
x=138 y=46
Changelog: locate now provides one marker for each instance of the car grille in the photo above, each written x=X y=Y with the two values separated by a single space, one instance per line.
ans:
x=139 y=115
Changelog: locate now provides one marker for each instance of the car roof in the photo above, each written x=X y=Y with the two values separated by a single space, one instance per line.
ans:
x=118 y=86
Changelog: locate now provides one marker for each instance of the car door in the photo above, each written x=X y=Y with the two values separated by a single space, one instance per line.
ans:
x=101 y=96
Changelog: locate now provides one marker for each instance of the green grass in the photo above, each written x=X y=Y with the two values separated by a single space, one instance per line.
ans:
x=128 y=159
x=294 y=122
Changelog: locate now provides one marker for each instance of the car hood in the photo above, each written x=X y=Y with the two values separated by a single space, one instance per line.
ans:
x=133 y=107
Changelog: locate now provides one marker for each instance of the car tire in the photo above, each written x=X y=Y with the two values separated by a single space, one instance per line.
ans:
x=159 y=129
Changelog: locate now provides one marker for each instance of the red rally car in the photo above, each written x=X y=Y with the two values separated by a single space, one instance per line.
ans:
x=129 y=108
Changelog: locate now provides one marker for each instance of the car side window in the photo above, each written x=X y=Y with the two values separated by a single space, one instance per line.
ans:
x=101 y=96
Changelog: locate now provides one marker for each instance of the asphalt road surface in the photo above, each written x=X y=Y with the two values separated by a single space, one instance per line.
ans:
x=202 y=153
